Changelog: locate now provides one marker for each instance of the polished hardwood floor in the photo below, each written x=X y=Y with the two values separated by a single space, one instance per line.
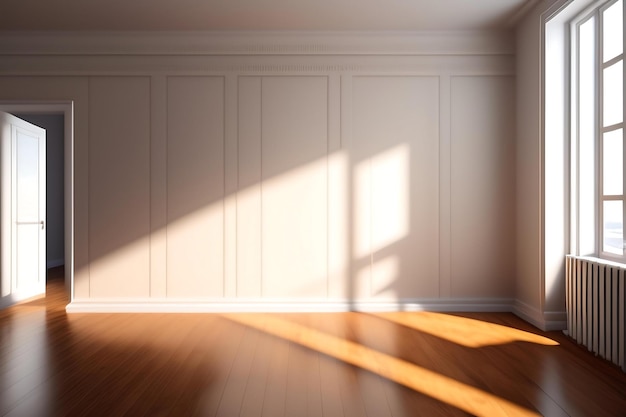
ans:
x=349 y=364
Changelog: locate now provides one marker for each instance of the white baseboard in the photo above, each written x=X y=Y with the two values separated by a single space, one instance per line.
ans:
x=528 y=313
x=54 y=263
x=546 y=321
x=555 y=320
x=281 y=306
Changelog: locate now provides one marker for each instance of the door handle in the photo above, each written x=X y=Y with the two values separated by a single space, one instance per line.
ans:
x=42 y=223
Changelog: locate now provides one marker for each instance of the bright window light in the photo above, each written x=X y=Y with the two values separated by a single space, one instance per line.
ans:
x=587 y=83
x=612 y=164
x=613 y=227
x=613 y=31
x=613 y=108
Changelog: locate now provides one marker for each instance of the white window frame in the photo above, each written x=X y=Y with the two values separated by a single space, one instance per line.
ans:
x=593 y=242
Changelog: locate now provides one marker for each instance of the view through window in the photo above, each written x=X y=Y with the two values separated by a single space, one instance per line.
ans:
x=600 y=117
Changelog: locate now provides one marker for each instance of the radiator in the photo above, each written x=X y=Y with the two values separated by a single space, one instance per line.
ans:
x=595 y=299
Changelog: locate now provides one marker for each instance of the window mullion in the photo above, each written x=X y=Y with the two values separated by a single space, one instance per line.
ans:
x=615 y=61
x=612 y=61
x=611 y=128
x=616 y=197
x=599 y=109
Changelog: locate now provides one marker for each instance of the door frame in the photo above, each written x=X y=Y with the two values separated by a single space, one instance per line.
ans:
x=66 y=109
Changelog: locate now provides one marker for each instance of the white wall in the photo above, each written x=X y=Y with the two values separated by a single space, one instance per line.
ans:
x=119 y=186
x=314 y=177
x=528 y=279
x=195 y=186
x=483 y=186
x=541 y=147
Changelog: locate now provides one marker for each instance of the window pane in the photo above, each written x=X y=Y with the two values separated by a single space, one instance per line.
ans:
x=612 y=163
x=588 y=197
x=587 y=81
x=613 y=106
x=613 y=31
x=613 y=228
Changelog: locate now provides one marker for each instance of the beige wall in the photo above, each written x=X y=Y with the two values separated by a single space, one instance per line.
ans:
x=483 y=186
x=320 y=178
x=541 y=177
x=528 y=279
x=119 y=186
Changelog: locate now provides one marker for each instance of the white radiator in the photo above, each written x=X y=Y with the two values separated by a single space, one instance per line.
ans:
x=595 y=298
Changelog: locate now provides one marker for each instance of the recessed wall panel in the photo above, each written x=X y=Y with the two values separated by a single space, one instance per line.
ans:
x=483 y=180
x=195 y=186
x=119 y=186
x=249 y=188
x=294 y=189
x=394 y=149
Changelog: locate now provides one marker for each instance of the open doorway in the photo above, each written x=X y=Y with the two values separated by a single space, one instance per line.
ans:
x=57 y=119
x=55 y=230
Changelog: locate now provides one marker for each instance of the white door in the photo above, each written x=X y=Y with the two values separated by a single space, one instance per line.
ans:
x=22 y=210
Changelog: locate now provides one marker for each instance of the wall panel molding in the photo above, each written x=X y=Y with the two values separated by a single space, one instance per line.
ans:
x=294 y=187
x=195 y=186
x=158 y=186
x=242 y=124
x=119 y=186
x=482 y=175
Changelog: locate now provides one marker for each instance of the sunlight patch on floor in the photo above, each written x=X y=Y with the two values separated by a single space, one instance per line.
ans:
x=445 y=389
x=464 y=331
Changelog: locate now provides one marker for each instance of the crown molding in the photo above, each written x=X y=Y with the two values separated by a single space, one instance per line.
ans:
x=521 y=13
x=256 y=43
x=58 y=65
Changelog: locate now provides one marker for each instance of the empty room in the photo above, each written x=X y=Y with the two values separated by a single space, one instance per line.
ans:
x=312 y=208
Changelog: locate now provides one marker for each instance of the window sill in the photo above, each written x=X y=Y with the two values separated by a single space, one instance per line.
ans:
x=600 y=261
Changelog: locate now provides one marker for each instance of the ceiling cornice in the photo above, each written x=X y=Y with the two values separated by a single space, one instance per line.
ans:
x=525 y=9
x=257 y=43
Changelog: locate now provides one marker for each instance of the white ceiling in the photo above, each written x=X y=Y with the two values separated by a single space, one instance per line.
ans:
x=253 y=15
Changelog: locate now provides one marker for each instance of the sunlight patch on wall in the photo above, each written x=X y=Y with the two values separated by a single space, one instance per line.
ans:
x=390 y=196
x=195 y=253
x=381 y=209
x=338 y=220
x=122 y=272
x=361 y=209
x=295 y=232
x=386 y=271
x=360 y=286
x=292 y=232
x=249 y=242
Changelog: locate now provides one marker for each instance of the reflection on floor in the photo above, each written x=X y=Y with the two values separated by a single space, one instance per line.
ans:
x=348 y=364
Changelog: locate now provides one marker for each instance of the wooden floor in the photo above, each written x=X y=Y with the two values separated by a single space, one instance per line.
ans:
x=352 y=364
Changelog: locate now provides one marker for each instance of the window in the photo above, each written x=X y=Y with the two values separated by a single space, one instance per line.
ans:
x=598 y=110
